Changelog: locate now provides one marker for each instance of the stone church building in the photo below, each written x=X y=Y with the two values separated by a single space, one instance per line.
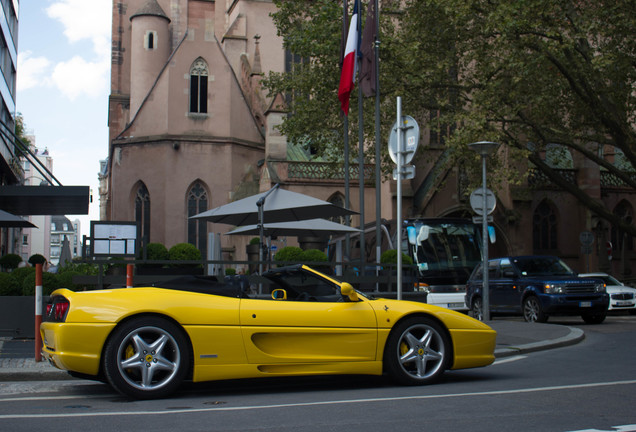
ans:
x=190 y=129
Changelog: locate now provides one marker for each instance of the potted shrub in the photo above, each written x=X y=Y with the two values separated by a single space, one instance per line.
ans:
x=10 y=261
x=185 y=252
x=288 y=255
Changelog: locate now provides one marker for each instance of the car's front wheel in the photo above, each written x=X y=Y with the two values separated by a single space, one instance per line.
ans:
x=532 y=311
x=594 y=318
x=146 y=358
x=418 y=351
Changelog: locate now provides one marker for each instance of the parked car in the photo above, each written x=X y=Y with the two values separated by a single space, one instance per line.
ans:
x=145 y=341
x=621 y=297
x=537 y=287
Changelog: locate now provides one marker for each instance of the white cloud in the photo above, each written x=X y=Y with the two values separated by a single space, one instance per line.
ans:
x=84 y=20
x=34 y=71
x=78 y=76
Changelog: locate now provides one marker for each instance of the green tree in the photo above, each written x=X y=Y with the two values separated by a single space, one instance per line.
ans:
x=525 y=74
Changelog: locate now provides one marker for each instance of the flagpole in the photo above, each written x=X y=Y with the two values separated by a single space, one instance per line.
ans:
x=378 y=154
x=361 y=161
x=345 y=31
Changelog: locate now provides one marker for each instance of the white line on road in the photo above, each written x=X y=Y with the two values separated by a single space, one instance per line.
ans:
x=308 y=404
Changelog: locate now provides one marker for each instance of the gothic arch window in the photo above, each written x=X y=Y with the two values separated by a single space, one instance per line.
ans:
x=142 y=211
x=197 y=202
x=544 y=228
x=150 y=40
x=199 y=86
x=620 y=238
x=337 y=199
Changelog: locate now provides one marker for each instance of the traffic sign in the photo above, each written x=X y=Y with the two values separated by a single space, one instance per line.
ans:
x=586 y=238
x=408 y=172
x=477 y=201
x=410 y=141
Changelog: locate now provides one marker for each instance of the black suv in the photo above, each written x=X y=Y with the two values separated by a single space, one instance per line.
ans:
x=537 y=287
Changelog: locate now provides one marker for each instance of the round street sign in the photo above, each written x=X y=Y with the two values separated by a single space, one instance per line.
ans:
x=477 y=201
x=586 y=238
x=411 y=139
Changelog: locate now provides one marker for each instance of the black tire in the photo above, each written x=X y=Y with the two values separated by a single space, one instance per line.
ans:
x=418 y=351
x=477 y=309
x=594 y=318
x=146 y=358
x=532 y=311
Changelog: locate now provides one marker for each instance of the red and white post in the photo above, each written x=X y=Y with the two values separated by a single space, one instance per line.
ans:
x=38 y=312
x=129 y=275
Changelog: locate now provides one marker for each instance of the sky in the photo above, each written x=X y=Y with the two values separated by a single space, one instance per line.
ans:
x=63 y=83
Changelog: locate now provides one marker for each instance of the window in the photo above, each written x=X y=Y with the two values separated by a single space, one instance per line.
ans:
x=142 y=212
x=621 y=239
x=544 y=228
x=25 y=239
x=338 y=199
x=150 y=40
x=197 y=202
x=199 y=87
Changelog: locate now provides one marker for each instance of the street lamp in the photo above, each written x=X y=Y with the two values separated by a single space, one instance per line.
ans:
x=485 y=149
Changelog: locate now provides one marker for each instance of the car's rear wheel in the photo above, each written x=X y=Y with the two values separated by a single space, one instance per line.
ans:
x=532 y=311
x=594 y=318
x=418 y=351
x=477 y=309
x=146 y=358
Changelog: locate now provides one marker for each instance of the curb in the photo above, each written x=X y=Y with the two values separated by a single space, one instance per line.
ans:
x=575 y=336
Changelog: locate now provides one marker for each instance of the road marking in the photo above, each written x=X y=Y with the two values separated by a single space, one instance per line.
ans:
x=508 y=359
x=308 y=404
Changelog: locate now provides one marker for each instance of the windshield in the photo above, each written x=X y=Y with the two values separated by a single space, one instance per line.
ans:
x=444 y=249
x=541 y=266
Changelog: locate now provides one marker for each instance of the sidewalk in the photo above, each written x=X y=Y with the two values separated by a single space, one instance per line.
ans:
x=513 y=338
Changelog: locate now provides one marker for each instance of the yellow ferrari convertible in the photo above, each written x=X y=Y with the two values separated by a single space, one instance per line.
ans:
x=145 y=341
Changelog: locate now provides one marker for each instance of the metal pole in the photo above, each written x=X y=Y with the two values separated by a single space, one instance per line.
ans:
x=363 y=254
x=484 y=235
x=38 y=312
x=378 y=155
x=399 y=198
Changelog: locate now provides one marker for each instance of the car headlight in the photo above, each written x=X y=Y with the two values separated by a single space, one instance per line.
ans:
x=599 y=288
x=554 y=289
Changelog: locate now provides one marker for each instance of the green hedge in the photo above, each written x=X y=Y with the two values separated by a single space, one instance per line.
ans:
x=9 y=285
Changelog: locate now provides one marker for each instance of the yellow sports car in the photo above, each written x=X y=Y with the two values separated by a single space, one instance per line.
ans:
x=146 y=341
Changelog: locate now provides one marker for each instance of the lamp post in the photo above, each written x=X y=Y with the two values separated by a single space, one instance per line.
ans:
x=484 y=149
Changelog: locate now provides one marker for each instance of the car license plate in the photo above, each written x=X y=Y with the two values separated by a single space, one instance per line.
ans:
x=624 y=303
x=585 y=304
x=455 y=305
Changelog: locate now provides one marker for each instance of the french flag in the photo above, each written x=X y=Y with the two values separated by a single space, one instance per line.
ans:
x=349 y=63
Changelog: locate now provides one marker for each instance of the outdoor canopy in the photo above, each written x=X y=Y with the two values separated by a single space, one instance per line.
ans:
x=278 y=205
x=7 y=220
x=309 y=228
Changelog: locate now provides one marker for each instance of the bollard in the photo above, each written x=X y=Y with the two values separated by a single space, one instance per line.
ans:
x=38 y=312
x=129 y=275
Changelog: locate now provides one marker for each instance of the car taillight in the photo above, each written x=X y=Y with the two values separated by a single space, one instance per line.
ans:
x=57 y=309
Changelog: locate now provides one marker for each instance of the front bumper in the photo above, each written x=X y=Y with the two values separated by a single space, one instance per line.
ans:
x=574 y=304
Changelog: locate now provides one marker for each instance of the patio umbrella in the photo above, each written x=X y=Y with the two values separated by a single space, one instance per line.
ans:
x=275 y=205
x=65 y=254
x=278 y=205
x=309 y=228
x=8 y=220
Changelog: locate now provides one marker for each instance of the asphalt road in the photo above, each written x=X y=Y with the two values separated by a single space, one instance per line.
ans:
x=586 y=387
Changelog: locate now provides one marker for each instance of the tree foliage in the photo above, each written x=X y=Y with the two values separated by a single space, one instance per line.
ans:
x=526 y=74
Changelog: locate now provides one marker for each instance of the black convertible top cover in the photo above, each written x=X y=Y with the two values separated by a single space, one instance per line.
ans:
x=231 y=286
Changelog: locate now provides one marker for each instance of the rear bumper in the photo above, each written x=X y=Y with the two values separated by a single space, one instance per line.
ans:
x=74 y=346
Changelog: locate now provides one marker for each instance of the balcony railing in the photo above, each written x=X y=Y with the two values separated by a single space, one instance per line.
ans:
x=323 y=171
x=538 y=180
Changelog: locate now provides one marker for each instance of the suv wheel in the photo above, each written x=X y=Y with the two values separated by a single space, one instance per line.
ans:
x=477 y=309
x=594 y=318
x=532 y=311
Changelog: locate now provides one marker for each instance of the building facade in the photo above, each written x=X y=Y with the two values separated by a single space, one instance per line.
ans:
x=191 y=129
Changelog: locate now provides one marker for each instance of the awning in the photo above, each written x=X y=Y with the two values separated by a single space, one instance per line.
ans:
x=45 y=200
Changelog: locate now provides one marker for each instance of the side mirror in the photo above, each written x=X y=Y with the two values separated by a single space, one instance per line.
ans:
x=423 y=234
x=279 y=294
x=347 y=290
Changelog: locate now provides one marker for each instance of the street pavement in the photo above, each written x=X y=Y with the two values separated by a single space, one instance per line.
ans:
x=17 y=356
